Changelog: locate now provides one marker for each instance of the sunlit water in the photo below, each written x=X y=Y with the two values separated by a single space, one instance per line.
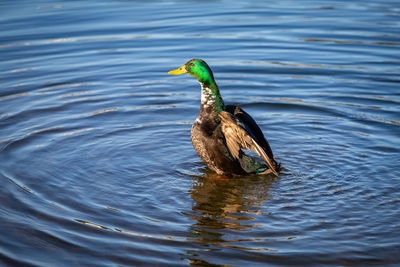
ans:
x=96 y=163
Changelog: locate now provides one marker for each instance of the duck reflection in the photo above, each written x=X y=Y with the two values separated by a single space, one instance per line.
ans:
x=223 y=204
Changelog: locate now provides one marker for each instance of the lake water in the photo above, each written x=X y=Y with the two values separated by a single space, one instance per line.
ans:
x=96 y=163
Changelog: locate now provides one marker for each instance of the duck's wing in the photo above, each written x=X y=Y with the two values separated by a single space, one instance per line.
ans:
x=252 y=127
x=237 y=137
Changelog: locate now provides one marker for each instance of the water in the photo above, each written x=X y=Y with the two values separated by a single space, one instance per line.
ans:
x=96 y=163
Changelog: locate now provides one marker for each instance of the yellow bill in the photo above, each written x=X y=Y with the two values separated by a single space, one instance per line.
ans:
x=181 y=70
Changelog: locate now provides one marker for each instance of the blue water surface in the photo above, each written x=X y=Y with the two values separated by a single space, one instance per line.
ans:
x=96 y=162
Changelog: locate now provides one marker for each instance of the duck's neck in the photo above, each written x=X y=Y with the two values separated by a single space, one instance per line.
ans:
x=211 y=100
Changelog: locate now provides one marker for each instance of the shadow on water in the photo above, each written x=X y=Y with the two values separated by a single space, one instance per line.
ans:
x=223 y=209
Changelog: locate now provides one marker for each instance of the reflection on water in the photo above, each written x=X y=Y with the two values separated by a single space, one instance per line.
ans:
x=223 y=206
x=223 y=202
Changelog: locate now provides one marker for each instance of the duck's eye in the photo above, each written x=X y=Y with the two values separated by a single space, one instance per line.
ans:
x=191 y=64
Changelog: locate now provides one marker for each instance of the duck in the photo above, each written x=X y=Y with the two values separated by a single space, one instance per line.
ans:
x=221 y=133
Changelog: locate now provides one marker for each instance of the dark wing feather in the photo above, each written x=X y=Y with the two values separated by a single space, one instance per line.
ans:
x=251 y=127
x=237 y=137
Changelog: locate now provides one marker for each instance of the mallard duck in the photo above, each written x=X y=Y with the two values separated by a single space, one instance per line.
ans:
x=220 y=132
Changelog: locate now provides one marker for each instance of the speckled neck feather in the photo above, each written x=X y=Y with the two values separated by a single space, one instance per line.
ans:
x=210 y=97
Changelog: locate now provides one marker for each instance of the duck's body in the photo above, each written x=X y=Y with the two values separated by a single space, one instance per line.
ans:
x=220 y=132
x=209 y=143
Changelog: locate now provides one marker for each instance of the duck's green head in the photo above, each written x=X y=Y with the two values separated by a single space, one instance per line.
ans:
x=197 y=68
